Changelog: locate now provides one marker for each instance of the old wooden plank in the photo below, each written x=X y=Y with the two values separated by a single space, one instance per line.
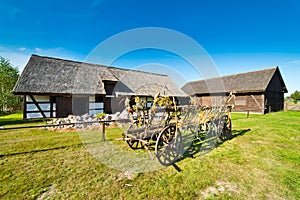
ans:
x=255 y=101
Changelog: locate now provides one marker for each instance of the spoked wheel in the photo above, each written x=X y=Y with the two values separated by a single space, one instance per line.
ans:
x=226 y=129
x=132 y=141
x=168 y=145
x=134 y=144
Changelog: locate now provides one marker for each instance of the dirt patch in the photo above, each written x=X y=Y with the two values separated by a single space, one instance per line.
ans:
x=125 y=175
x=220 y=187
x=49 y=192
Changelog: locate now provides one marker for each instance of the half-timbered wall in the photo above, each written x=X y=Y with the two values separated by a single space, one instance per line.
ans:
x=38 y=107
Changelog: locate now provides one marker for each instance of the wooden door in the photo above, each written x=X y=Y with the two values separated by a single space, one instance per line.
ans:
x=63 y=106
x=80 y=105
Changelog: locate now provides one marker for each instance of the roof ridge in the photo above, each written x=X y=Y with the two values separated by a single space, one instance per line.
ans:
x=68 y=60
x=250 y=72
x=135 y=70
x=97 y=65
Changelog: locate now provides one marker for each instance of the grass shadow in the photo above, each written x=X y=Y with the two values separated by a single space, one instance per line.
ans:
x=237 y=133
x=48 y=149
x=40 y=150
x=5 y=122
x=193 y=146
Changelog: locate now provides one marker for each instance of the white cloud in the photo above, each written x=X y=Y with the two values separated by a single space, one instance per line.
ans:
x=18 y=57
x=38 y=50
x=297 y=62
x=22 y=48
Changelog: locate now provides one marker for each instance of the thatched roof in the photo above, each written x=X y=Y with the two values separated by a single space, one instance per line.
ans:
x=255 y=81
x=46 y=75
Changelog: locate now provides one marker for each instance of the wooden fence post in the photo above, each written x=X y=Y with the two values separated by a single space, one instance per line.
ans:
x=103 y=131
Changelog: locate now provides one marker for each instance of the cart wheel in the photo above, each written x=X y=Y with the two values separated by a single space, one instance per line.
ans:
x=168 y=145
x=134 y=144
x=226 y=129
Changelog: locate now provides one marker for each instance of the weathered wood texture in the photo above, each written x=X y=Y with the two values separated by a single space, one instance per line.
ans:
x=253 y=103
x=257 y=92
x=290 y=106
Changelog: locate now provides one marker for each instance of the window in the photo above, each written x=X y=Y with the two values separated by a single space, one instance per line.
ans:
x=96 y=104
x=109 y=87
x=46 y=104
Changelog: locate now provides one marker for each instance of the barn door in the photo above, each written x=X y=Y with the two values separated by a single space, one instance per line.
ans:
x=80 y=105
x=63 y=106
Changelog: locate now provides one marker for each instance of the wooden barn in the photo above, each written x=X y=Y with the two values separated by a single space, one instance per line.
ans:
x=256 y=92
x=55 y=87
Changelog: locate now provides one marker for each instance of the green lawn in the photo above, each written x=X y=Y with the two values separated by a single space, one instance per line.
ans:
x=15 y=119
x=262 y=161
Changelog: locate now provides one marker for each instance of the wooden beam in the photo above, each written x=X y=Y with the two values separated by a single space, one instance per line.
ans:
x=37 y=105
x=51 y=106
x=51 y=109
x=24 y=108
x=263 y=103
x=256 y=101
x=103 y=131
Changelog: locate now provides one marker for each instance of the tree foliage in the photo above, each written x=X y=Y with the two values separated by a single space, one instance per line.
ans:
x=8 y=76
x=296 y=96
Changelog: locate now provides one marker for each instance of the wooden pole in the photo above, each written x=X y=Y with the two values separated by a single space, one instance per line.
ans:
x=24 y=108
x=103 y=131
x=51 y=107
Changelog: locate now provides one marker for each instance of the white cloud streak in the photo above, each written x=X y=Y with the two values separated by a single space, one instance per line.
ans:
x=18 y=57
x=293 y=62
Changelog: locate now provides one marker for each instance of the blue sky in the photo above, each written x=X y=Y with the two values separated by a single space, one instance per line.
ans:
x=239 y=35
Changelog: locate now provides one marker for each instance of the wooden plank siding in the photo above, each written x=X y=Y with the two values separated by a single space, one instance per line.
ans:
x=274 y=101
x=63 y=106
x=211 y=100
x=274 y=94
x=252 y=102
x=259 y=91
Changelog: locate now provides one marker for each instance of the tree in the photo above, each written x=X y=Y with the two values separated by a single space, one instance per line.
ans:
x=8 y=76
x=296 y=96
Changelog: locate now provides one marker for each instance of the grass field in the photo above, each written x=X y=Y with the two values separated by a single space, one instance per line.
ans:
x=261 y=161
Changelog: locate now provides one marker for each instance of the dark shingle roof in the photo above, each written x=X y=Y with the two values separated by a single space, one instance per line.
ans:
x=46 y=75
x=255 y=81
